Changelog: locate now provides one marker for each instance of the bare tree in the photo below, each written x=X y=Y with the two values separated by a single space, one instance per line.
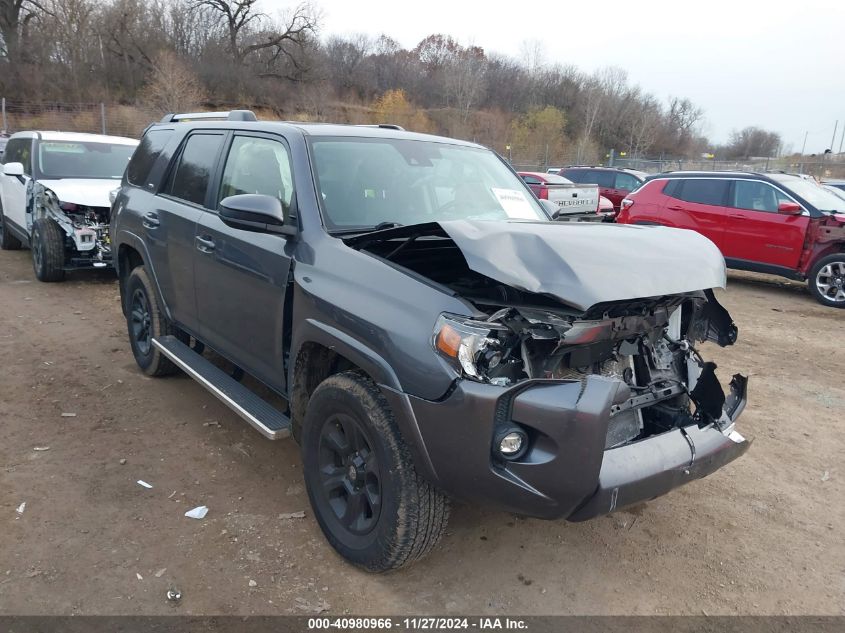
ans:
x=752 y=141
x=593 y=99
x=346 y=59
x=249 y=31
x=174 y=86
x=465 y=78
x=15 y=15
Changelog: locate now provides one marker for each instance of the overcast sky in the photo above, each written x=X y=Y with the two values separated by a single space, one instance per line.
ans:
x=779 y=65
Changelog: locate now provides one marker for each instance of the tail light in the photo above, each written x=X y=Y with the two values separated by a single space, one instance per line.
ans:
x=544 y=193
x=626 y=204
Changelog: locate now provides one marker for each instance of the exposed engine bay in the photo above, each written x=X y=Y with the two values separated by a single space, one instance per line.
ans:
x=86 y=227
x=517 y=336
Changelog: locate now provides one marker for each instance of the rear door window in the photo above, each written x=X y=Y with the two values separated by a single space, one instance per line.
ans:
x=189 y=180
x=704 y=191
x=19 y=150
x=145 y=156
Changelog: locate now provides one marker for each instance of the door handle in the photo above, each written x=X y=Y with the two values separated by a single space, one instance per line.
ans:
x=204 y=244
x=675 y=207
x=150 y=220
x=737 y=216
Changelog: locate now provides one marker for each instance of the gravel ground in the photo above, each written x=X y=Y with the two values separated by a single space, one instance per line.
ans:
x=762 y=536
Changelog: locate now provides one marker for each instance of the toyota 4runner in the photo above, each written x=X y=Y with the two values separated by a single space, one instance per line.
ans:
x=431 y=330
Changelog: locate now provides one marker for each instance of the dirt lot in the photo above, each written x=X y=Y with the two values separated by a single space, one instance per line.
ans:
x=762 y=536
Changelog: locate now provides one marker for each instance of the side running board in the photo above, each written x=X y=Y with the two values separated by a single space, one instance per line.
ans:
x=265 y=418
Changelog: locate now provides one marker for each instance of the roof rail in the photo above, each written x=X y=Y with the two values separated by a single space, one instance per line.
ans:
x=232 y=115
x=384 y=126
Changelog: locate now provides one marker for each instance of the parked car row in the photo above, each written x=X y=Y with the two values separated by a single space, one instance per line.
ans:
x=432 y=332
x=613 y=183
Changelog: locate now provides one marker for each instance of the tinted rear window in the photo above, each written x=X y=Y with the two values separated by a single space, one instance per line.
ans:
x=671 y=188
x=145 y=156
x=18 y=150
x=601 y=178
x=189 y=181
x=703 y=191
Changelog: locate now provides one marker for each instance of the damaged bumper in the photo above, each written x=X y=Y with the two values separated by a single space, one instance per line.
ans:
x=567 y=471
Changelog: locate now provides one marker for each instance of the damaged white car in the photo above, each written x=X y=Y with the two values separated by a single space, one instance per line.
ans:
x=54 y=198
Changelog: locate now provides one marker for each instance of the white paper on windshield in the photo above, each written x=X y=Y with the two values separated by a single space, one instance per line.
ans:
x=514 y=203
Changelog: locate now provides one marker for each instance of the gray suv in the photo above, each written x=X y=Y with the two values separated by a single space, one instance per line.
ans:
x=431 y=330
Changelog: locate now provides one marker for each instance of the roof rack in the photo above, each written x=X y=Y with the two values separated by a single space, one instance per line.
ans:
x=385 y=126
x=232 y=115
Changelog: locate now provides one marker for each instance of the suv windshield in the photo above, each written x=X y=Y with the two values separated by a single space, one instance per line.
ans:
x=365 y=182
x=813 y=193
x=82 y=159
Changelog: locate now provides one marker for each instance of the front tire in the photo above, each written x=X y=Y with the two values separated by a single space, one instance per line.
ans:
x=827 y=280
x=48 y=250
x=145 y=321
x=372 y=505
x=8 y=242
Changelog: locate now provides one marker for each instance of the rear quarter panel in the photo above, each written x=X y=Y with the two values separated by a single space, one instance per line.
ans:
x=649 y=206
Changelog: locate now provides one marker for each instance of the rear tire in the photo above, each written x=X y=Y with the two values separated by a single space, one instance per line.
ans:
x=827 y=280
x=372 y=505
x=145 y=321
x=8 y=242
x=48 y=250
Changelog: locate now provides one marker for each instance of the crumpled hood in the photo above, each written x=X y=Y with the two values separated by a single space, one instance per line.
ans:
x=585 y=263
x=91 y=192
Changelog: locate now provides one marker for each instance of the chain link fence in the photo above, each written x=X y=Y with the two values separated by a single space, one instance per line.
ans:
x=96 y=118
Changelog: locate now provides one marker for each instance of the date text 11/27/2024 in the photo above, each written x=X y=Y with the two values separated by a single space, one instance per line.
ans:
x=417 y=624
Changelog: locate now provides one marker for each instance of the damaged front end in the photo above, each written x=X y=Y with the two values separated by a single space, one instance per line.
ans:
x=86 y=228
x=611 y=399
x=649 y=346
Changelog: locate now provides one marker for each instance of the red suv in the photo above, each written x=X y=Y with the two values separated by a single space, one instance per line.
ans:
x=771 y=223
x=614 y=184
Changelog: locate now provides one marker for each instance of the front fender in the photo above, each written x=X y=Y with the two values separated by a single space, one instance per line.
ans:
x=379 y=370
x=355 y=351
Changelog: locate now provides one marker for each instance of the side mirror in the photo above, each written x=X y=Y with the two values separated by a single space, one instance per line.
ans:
x=255 y=212
x=790 y=208
x=551 y=208
x=13 y=169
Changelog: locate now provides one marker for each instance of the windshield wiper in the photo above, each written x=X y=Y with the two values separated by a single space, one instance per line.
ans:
x=386 y=225
x=366 y=229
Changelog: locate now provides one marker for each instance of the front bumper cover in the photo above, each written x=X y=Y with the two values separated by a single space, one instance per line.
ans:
x=566 y=472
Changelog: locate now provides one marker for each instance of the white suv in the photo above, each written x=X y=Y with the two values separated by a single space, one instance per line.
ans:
x=54 y=198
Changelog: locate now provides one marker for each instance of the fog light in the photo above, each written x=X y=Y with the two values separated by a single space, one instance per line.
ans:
x=512 y=444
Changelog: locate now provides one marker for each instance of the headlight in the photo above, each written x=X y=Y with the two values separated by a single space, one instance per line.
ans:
x=471 y=346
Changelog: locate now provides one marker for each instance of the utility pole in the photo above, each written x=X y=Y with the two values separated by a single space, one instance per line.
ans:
x=804 y=146
x=841 y=138
x=5 y=127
